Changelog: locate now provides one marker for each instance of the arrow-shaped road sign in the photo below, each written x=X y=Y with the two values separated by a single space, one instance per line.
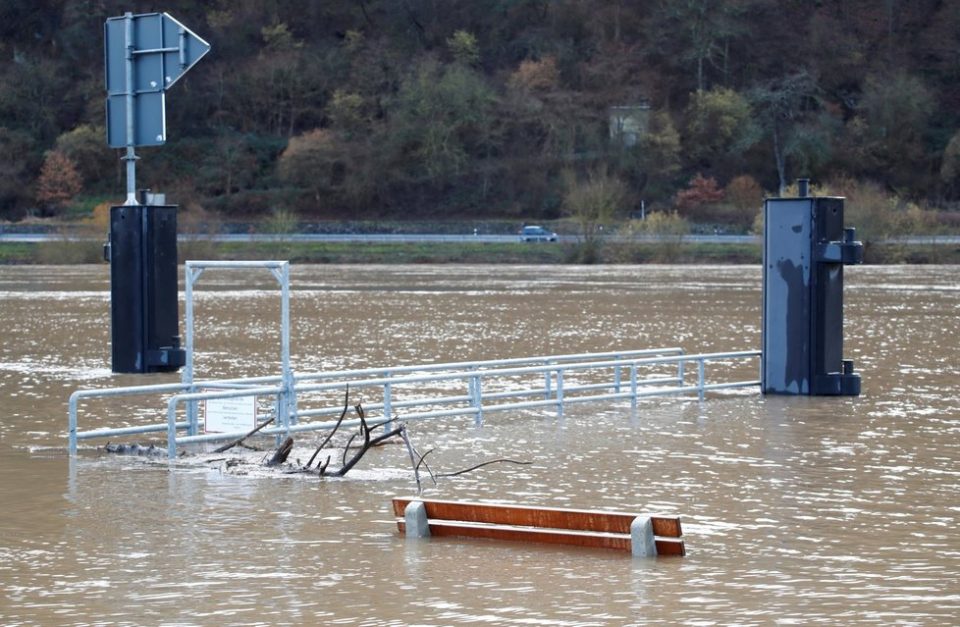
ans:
x=159 y=51
x=144 y=55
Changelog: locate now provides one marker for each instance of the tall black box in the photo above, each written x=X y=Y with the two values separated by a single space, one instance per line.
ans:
x=143 y=289
x=805 y=247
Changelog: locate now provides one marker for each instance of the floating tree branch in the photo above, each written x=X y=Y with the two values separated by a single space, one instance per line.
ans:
x=346 y=406
x=492 y=461
x=227 y=447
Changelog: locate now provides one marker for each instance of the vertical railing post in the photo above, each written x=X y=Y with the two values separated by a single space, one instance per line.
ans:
x=616 y=376
x=701 y=375
x=191 y=275
x=477 y=393
x=560 y=392
x=72 y=425
x=387 y=399
x=680 y=372
x=633 y=386
x=546 y=382
x=289 y=394
x=280 y=412
x=172 y=429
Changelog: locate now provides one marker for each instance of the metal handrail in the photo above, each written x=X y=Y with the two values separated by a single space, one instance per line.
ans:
x=555 y=393
x=454 y=365
x=562 y=395
x=189 y=384
x=73 y=404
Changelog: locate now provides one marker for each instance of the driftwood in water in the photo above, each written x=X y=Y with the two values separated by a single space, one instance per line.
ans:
x=481 y=465
x=227 y=447
x=368 y=442
x=135 y=449
x=391 y=428
x=364 y=432
x=346 y=406
x=280 y=456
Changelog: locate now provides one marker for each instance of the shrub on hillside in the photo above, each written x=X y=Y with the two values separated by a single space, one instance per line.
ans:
x=701 y=194
x=59 y=181
x=667 y=231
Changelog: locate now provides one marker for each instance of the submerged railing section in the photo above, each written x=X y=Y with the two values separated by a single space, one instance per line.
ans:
x=433 y=391
x=299 y=402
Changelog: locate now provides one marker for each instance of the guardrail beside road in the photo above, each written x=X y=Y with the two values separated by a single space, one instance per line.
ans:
x=414 y=238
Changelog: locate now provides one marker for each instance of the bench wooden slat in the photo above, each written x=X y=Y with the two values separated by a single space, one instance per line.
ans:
x=527 y=534
x=546 y=517
x=670 y=546
x=596 y=529
x=665 y=546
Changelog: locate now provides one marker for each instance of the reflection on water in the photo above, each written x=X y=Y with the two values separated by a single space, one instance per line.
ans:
x=796 y=510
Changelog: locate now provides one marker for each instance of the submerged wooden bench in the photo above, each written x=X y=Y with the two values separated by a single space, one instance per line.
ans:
x=641 y=534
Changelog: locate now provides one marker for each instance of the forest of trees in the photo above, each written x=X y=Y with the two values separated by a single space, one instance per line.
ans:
x=355 y=109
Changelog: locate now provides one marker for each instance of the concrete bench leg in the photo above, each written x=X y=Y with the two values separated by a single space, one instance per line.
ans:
x=415 y=519
x=641 y=537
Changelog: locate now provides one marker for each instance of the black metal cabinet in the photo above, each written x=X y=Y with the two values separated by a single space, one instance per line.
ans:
x=143 y=289
x=805 y=247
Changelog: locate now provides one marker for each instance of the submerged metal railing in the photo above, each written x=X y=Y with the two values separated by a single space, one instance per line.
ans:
x=434 y=391
x=274 y=387
x=425 y=391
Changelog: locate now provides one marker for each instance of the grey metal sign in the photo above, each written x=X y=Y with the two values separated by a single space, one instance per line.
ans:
x=149 y=120
x=143 y=56
x=161 y=51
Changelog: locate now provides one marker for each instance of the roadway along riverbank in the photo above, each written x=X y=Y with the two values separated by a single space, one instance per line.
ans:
x=406 y=238
x=422 y=238
x=365 y=248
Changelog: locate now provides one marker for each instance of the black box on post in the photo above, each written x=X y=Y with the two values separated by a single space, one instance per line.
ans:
x=805 y=247
x=144 y=310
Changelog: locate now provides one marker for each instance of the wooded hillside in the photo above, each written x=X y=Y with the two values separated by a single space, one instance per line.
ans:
x=423 y=108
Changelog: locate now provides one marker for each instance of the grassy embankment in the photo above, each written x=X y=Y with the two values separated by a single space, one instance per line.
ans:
x=76 y=252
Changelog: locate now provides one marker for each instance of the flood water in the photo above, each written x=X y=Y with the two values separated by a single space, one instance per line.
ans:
x=795 y=510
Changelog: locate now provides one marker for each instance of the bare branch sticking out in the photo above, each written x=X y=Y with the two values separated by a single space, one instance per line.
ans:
x=492 y=461
x=227 y=447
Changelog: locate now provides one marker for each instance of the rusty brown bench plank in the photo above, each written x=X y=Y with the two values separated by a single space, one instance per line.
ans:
x=550 y=517
x=601 y=529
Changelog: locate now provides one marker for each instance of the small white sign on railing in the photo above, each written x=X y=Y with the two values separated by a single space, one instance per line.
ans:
x=228 y=415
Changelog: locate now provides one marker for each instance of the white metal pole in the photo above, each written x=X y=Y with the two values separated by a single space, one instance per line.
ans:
x=560 y=392
x=701 y=375
x=546 y=382
x=190 y=276
x=290 y=397
x=477 y=401
x=130 y=157
x=387 y=400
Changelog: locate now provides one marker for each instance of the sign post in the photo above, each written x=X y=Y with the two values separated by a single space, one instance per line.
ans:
x=144 y=55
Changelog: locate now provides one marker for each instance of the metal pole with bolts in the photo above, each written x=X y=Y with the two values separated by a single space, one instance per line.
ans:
x=140 y=65
x=129 y=69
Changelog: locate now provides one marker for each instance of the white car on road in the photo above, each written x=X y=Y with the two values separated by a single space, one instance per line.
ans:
x=537 y=234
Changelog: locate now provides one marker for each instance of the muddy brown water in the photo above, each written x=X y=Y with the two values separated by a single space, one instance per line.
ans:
x=795 y=510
